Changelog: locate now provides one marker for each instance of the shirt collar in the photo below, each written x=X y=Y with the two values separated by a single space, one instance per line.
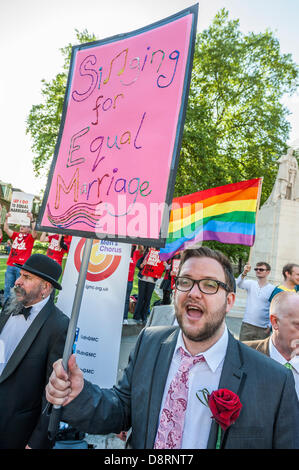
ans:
x=214 y=355
x=36 y=308
x=295 y=363
x=275 y=354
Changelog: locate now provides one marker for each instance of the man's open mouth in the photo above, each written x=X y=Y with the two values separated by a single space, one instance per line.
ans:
x=194 y=312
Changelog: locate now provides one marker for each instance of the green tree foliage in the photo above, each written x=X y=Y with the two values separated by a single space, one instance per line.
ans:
x=44 y=119
x=236 y=126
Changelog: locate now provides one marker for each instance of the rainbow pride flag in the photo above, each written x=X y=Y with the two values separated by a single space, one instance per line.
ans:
x=226 y=214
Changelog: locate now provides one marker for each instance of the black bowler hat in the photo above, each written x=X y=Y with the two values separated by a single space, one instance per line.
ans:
x=43 y=267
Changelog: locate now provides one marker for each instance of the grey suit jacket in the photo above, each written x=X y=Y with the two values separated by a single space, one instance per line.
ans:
x=268 y=419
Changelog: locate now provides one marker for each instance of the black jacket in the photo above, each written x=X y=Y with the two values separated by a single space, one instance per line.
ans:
x=23 y=380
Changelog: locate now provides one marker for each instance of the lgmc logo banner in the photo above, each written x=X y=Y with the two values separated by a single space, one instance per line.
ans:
x=103 y=259
x=101 y=314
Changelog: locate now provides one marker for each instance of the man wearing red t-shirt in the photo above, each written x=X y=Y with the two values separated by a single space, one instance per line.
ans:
x=136 y=253
x=22 y=244
x=58 y=245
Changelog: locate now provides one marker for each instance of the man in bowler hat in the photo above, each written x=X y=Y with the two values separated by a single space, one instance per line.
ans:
x=32 y=336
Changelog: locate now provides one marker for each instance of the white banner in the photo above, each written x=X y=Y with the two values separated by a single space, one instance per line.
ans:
x=99 y=326
x=21 y=203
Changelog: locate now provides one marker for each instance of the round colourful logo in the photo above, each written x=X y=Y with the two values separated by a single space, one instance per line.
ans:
x=101 y=264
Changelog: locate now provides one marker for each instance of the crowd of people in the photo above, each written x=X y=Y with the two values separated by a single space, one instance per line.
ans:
x=21 y=246
x=163 y=400
x=150 y=269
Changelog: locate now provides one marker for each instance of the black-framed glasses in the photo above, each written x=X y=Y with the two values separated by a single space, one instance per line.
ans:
x=260 y=269
x=206 y=286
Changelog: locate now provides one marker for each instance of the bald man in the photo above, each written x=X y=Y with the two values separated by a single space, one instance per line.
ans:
x=283 y=344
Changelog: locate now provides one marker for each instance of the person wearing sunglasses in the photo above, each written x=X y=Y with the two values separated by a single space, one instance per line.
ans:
x=159 y=398
x=256 y=321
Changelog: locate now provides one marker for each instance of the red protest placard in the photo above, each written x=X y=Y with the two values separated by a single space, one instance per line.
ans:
x=154 y=266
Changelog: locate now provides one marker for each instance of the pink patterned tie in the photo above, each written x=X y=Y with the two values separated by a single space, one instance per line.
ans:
x=170 y=431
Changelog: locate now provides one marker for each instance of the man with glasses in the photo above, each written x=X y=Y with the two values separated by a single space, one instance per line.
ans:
x=256 y=321
x=171 y=366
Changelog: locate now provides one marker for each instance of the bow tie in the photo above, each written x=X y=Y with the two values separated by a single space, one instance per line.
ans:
x=24 y=311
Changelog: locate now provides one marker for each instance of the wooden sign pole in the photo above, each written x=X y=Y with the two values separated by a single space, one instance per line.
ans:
x=68 y=347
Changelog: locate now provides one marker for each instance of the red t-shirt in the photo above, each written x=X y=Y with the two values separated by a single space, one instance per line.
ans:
x=54 y=250
x=21 y=248
x=67 y=240
x=133 y=261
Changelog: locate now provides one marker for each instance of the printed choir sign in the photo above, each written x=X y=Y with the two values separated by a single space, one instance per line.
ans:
x=154 y=266
x=98 y=334
x=21 y=204
x=115 y=161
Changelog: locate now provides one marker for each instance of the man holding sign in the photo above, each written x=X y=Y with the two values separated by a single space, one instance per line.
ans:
x=147 y=399
x=20 y=251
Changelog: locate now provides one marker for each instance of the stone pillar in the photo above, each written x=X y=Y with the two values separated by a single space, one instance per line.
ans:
x=277 y=227
x=277 y=237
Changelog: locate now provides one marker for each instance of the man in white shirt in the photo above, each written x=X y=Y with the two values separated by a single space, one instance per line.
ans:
x=256 y=322
x=283 y=344
x=172 y=368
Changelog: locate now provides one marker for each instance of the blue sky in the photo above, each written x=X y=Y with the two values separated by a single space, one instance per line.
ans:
x=32 y=31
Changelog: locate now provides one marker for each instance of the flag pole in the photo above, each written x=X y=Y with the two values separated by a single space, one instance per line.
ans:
x=68 y=347
x=259 y=193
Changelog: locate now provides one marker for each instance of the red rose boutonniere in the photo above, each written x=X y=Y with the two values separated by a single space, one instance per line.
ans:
x=225 y=407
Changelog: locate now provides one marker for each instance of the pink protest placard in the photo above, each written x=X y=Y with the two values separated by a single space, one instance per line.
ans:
x=114 y=167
